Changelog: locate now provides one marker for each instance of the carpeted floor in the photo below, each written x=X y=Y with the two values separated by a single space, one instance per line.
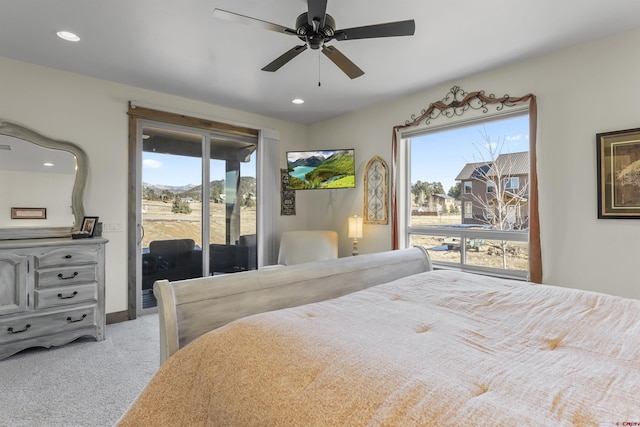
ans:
x=85 y=383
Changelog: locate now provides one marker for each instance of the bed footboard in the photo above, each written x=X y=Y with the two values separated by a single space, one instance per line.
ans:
x=190 y=308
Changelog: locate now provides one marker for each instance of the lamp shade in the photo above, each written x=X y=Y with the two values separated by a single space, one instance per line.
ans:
x=355 y=227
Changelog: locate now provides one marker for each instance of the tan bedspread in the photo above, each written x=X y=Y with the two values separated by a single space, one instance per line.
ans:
x=439 y=348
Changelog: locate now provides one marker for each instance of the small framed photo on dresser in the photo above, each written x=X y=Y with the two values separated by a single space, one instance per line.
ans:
x=89 y=225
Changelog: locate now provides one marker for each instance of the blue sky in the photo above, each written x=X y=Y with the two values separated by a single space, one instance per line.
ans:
x=435 y=156
x=167 y=169
x=441 y=156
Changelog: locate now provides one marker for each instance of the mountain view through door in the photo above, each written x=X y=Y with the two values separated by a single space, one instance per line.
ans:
x=194 y=227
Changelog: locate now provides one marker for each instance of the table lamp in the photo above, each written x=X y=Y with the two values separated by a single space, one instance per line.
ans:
x=355 y=231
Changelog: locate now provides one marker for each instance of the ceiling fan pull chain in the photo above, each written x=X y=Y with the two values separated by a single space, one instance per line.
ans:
x=319 y=84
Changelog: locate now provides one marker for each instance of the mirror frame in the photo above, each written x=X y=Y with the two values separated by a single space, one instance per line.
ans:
x=77 y=196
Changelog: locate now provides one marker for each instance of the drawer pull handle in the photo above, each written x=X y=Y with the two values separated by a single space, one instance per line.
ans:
x=11 y=331
x=61 y=277
x=68 y=297
x=68 y=256
x=70 y=320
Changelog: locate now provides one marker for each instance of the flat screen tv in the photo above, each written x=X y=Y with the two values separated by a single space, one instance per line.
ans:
x=309 y=170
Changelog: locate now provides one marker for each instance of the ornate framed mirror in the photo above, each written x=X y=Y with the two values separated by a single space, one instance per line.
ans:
x=42 y=183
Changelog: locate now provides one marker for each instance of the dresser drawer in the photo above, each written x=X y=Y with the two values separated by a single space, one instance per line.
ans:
x=66 y=295
x=24 y=327
x=67 y=256
x=64 y=276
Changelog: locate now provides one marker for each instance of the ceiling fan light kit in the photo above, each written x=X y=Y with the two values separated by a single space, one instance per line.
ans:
x=315 y=28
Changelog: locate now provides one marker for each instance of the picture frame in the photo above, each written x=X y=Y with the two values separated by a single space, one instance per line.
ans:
x=89 y=225
x=28 y=213
x=375 y=192
x=618 y=171
x=287 y=196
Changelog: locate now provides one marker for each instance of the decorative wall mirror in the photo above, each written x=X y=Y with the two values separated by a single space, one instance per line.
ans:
x=42 y=184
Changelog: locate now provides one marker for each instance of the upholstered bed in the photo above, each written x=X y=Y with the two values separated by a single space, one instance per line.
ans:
x=428 y=348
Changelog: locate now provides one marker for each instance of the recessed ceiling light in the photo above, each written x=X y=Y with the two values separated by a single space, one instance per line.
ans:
x=48 y=164
x=68 y=36
x=298 y=101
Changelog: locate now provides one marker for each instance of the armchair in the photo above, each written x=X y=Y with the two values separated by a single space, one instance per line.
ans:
x=297 y=247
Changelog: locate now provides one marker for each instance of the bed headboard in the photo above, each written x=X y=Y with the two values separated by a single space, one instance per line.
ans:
x=190 y=308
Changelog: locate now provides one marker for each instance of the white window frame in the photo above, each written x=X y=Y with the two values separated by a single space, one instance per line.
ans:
x=508 y=183
x=468 y=210
x=491 y=188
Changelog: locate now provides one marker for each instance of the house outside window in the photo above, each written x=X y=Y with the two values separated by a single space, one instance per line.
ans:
x=507 y=169
x=486 y=230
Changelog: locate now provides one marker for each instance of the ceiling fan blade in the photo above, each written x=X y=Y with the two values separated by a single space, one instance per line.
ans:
x=389 y=29
x=247 y=20
x=344 y=63
x=284 y=58
x=317 y=11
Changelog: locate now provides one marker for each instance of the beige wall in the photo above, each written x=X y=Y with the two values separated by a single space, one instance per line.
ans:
x=581 y=91
x=92 y=113
x=578 y=249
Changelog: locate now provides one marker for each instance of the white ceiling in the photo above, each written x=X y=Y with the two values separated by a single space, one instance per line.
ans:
x=179 y=48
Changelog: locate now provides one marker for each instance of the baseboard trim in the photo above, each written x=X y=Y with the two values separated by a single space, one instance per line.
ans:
x=119 y=316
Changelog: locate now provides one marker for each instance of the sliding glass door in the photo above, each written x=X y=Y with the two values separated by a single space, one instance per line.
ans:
x=232 y=206
x=197 y=205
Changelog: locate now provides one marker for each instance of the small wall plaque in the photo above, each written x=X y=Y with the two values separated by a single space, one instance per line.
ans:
x=28 y=213
x=287 y=196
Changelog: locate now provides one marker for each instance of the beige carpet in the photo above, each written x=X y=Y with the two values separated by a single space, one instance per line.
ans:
x=85 y=383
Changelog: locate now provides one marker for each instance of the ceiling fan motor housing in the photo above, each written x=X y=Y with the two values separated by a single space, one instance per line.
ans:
x=315 y=39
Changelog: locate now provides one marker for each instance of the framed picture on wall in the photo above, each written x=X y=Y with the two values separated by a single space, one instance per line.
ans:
x=618 y=164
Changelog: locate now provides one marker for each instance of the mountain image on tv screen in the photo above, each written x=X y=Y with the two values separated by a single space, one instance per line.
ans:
x=321 y=169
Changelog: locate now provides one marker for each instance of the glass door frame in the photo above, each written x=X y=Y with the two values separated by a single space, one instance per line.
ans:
x=267 y=176
x=205 y=148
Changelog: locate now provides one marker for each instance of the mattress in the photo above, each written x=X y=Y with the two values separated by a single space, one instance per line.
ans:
x=438 y=348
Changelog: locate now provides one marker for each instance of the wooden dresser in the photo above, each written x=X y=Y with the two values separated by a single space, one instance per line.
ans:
x=51 y=292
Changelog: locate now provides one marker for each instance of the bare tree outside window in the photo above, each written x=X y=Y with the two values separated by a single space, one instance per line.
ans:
x=506 y=206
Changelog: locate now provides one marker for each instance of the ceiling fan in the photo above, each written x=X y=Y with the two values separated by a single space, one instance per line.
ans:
x=315 y=28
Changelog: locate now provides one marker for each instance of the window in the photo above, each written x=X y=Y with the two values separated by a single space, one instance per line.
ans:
x=512 y=183
x=468 y=210
x=488 y=232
